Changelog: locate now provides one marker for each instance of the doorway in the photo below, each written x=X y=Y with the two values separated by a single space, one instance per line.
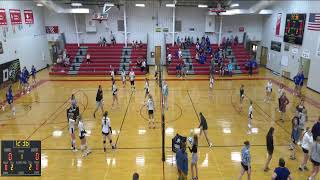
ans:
x=264 y=56
x=305 y=66
x=157 y=55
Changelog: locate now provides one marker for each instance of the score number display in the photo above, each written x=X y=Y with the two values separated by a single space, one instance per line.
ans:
x=21 y=158
x=294 y=30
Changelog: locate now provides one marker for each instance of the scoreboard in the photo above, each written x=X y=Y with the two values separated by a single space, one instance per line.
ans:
x=21 y=158
x=294 y=30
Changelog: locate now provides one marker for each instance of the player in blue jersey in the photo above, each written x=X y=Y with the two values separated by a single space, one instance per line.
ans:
x=21 y=85
x=33 y=74
x=26 y=76
x=9 y=98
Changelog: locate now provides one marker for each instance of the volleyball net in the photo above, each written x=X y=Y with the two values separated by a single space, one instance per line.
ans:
x=160 y=79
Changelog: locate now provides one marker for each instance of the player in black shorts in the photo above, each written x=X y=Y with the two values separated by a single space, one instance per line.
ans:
x=204 y=128
x=270 y=148
x=241 y=96
x=82 y=136
x=99 y=101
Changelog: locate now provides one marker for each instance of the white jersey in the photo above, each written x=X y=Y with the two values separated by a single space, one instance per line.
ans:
x=105 y=125
x=307 y=141
x=123 y=75
x=112 y=74
x=114 y=89
x=179 y=53
x=165 y=90
x=71 y=125
x=150 y=105
x=169 y=57
x=211 y=82
x=280 y=92
x=250 y=111
x=81 y=128
x=269 y=86
x=132 y=76
x=146 y=87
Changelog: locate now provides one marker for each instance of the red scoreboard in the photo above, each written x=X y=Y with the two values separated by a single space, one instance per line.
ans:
x=294 y=30
x=21 y=158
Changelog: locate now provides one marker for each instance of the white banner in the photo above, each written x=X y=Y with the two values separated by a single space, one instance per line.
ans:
x=90 y=24
x=210 y=23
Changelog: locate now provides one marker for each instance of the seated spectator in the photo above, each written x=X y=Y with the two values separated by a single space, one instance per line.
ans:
x=178 y=41
x=143 y=65
x=139 y=62
x=221 y=70
x=133 y=44
x=178 y=70
x=104 y=41
x=198 y=41
x=230 y=68
x=197 y=47
x=67 y=61
x=140 y=44
x=100 y=42
x=236 y=40
x=202 y=58
x=113 y=39
x=88 y=58
x=169 y=58
x=197 y=57
x=59 y=60
x=179 y=53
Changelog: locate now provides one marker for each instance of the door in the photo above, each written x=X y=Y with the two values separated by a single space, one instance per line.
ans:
x=158 y=55
x=264 y=56
x=305 y=66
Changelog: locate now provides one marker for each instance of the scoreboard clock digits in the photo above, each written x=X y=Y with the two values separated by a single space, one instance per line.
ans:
x=21 y=158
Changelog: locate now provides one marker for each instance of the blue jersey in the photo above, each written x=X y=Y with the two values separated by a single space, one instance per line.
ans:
x=9 y=96
x=33 y=71
x=21 y=77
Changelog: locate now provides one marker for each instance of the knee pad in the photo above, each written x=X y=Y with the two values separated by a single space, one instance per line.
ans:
x=104 y=142
x=110 y=141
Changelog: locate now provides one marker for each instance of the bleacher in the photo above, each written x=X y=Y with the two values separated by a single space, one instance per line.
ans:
x=238 y=54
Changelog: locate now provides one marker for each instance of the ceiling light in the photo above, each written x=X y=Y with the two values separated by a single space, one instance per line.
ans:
x=76 y=4
x=109 y=4
x=266 y=11
x=39 y=4
x=234 y=5
x=202 y=6
x=79 y=10
x=170 y=5
x=140 y=5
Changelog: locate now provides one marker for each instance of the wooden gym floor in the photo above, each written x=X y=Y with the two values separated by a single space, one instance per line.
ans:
x=41 y=115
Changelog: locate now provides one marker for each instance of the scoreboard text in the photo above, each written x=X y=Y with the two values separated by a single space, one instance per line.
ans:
x=21 y=158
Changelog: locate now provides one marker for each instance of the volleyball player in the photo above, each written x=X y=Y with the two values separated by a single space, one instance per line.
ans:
x=112 y=74
x=245 y=160
x=211 y=83
x=156 y=73
x=268 y=91
x=82 y=136
x=114 y=93
x=132 y=77
x=99 y=101
x=204 y=128
x=165 y=93
x=241 y=97
x=123 y=78
x=150 y=107
x=9 y=97
x=270 y=148
x=283 y=104
x=73 y=101
x=26 y=75
x=146 y=87
x=307 y=141
x=33 y=74
x=21 y=86
x=194 y=161
x=106 y=131
x=280 y=92
x=250 y=116
x=72 y=121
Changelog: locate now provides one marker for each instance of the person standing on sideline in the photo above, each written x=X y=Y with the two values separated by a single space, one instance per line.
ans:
x=204 y=128
x=316 y=130
x=281 y=172
x=280 y=92
x=300 y=83
x=245 y=160
x=132 y=77
x=194 y=161
x=114 y=93
x=9 y=98
x=123 y=78
x=99 y=101
x=33 y=74
x=241 y=97
x=211 y=83
x=306 y=145
x=182 y=162
x=250 y=116
x=315 y=158
x=270 y=148
x=165 y=93
x=268 y=91
x=283 y=104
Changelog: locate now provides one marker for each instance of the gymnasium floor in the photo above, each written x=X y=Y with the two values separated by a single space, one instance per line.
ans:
x=41 y=115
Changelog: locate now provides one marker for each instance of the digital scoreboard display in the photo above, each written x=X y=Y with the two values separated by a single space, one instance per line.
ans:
x=21 y=158
x=294 y=30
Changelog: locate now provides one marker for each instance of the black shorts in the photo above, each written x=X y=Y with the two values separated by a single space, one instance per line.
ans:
x=270 y=152
x=315 y=163
x=88 y=60
x=132 y=83
x=106 y=134
x=150 y=112
x=245 y=167
x=81 y=137
x=147 y=91
x=305 y=150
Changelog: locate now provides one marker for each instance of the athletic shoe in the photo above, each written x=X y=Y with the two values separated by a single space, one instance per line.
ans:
x=114 y=147
x=104 y=149
x=75 y=150
x=300 y=168
x=306 y=168
x=94 y=115
x=210 y=145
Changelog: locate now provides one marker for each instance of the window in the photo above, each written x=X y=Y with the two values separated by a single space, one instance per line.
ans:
x=120 y=25
x=177 y=26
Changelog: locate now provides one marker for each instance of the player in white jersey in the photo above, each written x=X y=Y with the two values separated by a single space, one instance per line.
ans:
x=165 y=93
x=82 y=136
x=114 y=93
x=112 y=74
x=268 y=91
x=72 y=122
x=250 y=116
x=146 y=87
x=106 y=131
x=150 y=107
x=123 y=77
x=211 y=83
x=132 y=77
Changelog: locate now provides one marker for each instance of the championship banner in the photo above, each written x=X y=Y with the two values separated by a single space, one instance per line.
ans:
x=28 y=16
x=9 y=71
x=52 y=29
x=278 y=25
x=15 y=16
x=3 y=18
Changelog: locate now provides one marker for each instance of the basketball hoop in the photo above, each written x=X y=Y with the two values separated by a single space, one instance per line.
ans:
x=99 y=17
x=217 y=10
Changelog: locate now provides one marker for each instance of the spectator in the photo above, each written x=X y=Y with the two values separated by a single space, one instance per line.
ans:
x=169 y=58
x=135 y=176
x=113 y=39
x=315 y=158
x=307 y=141
x=133 y=45
x=178 y=70
x=178 y=41
x=300 y=84
x=197 y=47
x=182 y=162
x=296 y=80
x=236 y=40
x=316 y=130
x=191 y=40
x=179 y=53
x=197 y=57
x=230 y=68
x=88 y=58
x=283 y=104
x=140 y=44
x=281 y=172
x=100 y=42
x=143 y=65
x=221 y=69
